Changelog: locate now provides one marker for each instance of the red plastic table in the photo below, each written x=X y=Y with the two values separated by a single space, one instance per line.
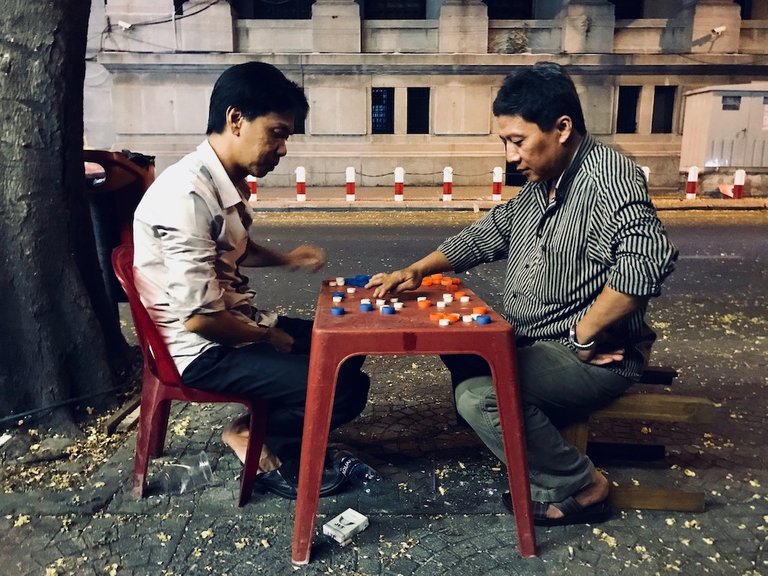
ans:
x=408 y=331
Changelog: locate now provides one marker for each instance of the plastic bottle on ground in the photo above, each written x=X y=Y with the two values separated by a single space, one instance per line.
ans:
x=357 y=472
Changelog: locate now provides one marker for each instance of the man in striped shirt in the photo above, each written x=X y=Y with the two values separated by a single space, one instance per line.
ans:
x=585 y=251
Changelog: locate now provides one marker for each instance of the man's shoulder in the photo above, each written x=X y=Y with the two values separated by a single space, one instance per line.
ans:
x=187 y=175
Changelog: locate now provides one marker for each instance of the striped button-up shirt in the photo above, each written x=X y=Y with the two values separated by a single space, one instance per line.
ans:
x=600 y=230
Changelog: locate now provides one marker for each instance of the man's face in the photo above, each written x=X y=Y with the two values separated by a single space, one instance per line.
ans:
x=538 y=155
x=262 y=142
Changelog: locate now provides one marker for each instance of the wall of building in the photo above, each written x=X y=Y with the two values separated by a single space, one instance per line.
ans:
x=159 y=89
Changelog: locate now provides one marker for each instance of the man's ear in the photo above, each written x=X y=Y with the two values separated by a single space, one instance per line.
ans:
x=234 y=119
x=564 y=126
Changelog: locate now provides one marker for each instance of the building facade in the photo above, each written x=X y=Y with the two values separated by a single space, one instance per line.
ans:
x=410 y=82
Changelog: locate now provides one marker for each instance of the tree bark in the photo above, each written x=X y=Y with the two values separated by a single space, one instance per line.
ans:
x=59 y=336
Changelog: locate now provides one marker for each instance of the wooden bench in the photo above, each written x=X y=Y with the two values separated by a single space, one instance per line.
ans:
x=648 y=406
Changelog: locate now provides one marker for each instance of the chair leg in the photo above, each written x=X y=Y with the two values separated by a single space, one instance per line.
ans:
x=142 y=452
x=159 y=427
x=256 y=431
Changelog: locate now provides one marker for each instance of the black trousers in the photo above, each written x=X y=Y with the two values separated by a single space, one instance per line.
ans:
x=260 y=371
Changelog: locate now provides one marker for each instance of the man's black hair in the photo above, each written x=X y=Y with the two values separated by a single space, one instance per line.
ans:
x=540 y=94
x=256 y=89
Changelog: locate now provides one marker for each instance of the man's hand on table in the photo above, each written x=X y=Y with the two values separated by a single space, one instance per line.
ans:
x=394 y=282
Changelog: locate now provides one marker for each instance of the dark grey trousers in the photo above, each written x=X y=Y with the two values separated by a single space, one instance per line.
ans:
x=260 y=371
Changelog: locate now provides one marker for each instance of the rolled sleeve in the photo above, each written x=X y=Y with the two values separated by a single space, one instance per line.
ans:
x=644 y=254
x=487 y=240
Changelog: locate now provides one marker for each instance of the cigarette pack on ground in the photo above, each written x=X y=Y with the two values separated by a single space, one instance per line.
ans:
x=345 y=525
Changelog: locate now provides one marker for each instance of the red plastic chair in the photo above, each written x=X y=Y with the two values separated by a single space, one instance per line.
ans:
x=162 y=384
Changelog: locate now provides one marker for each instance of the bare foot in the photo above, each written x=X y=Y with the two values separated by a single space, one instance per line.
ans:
x=235 y=435
x=592 y=494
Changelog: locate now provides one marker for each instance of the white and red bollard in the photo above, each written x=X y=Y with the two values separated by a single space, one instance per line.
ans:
x=350 y=179
x=691 y=185
x=253 y=188
x=447 y=184
x=399 y=183
x=739 y=177
x=496 y=190
x=301 y=184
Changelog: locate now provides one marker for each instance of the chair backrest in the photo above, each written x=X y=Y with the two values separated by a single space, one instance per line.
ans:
x=156 y=356
x=126 y=182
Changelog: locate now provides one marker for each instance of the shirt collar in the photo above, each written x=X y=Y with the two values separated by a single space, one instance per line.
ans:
x=227 y=191
x=585 y=147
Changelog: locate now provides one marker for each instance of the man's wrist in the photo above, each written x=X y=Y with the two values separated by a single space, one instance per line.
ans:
x=573 y=341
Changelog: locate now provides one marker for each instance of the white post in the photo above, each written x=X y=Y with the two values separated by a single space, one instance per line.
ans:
x=447 y=184
x=301 y=184
x=497 y=178
x=350 y=178
x=693 y=179
x=399 y=183
x=739 y=177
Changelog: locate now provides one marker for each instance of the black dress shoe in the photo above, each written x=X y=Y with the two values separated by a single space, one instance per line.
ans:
x=284 y=481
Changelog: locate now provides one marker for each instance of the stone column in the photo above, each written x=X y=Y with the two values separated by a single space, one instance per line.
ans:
x=463 y=27
x=336 y=26
x=588 y=27
x=716 y=27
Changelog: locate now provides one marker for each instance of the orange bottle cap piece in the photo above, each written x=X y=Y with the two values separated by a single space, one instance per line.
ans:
x=459 y=294
x=480 y=310
x=424 y=303
x=454 y=317
x=452 y=288
x=426 y=281
x=446 y=281
x=436 y=316
x=456 y=281
x=436 y=277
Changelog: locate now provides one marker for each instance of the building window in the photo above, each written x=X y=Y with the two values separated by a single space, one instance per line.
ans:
x=382 y=111
x=394 y=9
x=732 y=102
x=418 y=111
x=663 y=109
x=628 y=9
x=626 y=115
x=509 y=9
x=273 y=9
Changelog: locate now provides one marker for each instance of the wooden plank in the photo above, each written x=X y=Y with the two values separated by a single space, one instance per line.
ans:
x=111 y=424
x=638 y=498
x=659 y=407
x=577 y=435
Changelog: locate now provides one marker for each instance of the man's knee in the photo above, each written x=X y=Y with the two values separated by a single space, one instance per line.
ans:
x=474 y=396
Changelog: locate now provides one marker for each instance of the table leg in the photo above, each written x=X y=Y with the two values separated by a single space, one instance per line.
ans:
x=504 y=369
x=321 y=387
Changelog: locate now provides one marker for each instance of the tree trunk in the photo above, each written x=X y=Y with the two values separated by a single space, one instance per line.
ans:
x=59 y=336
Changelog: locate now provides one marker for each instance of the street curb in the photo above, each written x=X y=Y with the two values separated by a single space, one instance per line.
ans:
x=661 y=204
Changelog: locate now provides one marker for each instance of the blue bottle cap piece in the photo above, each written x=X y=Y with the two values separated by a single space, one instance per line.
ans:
x=366 y=307
x=483 y=319
x=360 y=280
x=337 y=311
x=387 y=309
x=342 y=294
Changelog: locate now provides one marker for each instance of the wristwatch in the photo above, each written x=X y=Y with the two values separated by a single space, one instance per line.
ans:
x=575 y=343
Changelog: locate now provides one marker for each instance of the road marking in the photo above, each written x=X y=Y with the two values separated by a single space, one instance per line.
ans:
x=712 y=257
